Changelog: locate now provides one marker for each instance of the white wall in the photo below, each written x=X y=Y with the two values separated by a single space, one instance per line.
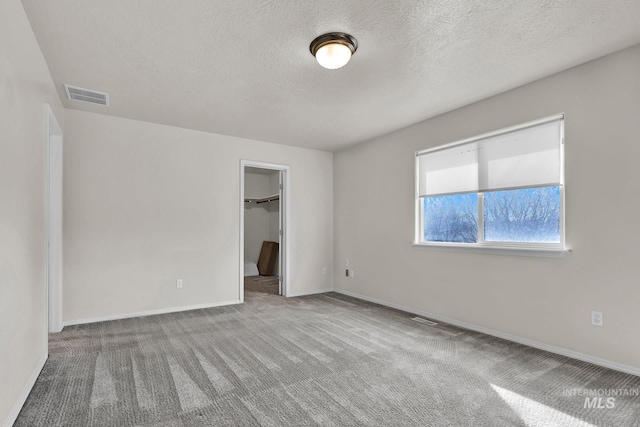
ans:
x=545 y=300
x=146 y=204
x=25 y=87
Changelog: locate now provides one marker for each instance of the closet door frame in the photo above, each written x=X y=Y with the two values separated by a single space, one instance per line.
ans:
x=284 y=220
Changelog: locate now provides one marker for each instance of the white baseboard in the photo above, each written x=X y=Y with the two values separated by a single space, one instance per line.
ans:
x=15 y=411
x=546 y=347
x=147 y=313
x=318 y=291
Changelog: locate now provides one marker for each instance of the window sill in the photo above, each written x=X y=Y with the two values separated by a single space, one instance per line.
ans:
x=495 y=250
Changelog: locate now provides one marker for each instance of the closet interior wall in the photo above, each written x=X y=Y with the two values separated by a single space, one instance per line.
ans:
x=261 y=220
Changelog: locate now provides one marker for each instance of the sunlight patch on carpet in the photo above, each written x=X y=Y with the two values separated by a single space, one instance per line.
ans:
x=536 y=414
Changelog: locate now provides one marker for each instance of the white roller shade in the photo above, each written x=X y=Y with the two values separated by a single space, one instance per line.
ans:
x=526 y=156
x=447 y=171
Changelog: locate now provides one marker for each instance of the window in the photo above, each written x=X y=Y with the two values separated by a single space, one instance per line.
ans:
x=502 y=190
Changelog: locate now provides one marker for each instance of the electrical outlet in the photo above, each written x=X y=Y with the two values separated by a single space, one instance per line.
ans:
x=179 y=283
x=352 y=273
x=346 y=272
x=596 y=318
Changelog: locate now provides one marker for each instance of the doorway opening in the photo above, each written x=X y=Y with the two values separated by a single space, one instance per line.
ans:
x=53 y=203
x=264 y=190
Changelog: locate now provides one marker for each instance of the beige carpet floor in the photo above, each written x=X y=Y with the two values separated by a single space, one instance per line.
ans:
x=262 y=284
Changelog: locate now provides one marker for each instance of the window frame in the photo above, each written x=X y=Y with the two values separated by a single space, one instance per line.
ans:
x=536 y=249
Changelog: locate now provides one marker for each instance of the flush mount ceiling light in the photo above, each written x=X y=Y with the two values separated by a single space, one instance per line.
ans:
x=333 y=50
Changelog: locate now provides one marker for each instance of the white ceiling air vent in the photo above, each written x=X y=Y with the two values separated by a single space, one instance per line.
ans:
x=86 y=95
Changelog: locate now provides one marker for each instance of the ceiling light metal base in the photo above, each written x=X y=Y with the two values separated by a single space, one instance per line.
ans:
x=335 y=37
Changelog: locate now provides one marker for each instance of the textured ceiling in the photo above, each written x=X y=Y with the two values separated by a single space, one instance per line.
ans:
x=243 y=67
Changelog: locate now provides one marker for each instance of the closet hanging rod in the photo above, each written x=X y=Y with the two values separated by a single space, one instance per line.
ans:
x=268 y=199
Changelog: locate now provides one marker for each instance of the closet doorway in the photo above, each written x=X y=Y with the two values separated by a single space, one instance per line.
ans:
x=263 y=229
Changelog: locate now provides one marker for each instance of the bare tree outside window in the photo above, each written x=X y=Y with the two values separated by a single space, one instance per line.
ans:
x=525 y=215
x=451 y=218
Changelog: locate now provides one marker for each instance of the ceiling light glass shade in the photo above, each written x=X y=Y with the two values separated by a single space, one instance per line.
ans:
x=333 y=50
x=333 y=55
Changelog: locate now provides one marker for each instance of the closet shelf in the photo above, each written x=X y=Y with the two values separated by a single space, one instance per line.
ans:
x=267 y=199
